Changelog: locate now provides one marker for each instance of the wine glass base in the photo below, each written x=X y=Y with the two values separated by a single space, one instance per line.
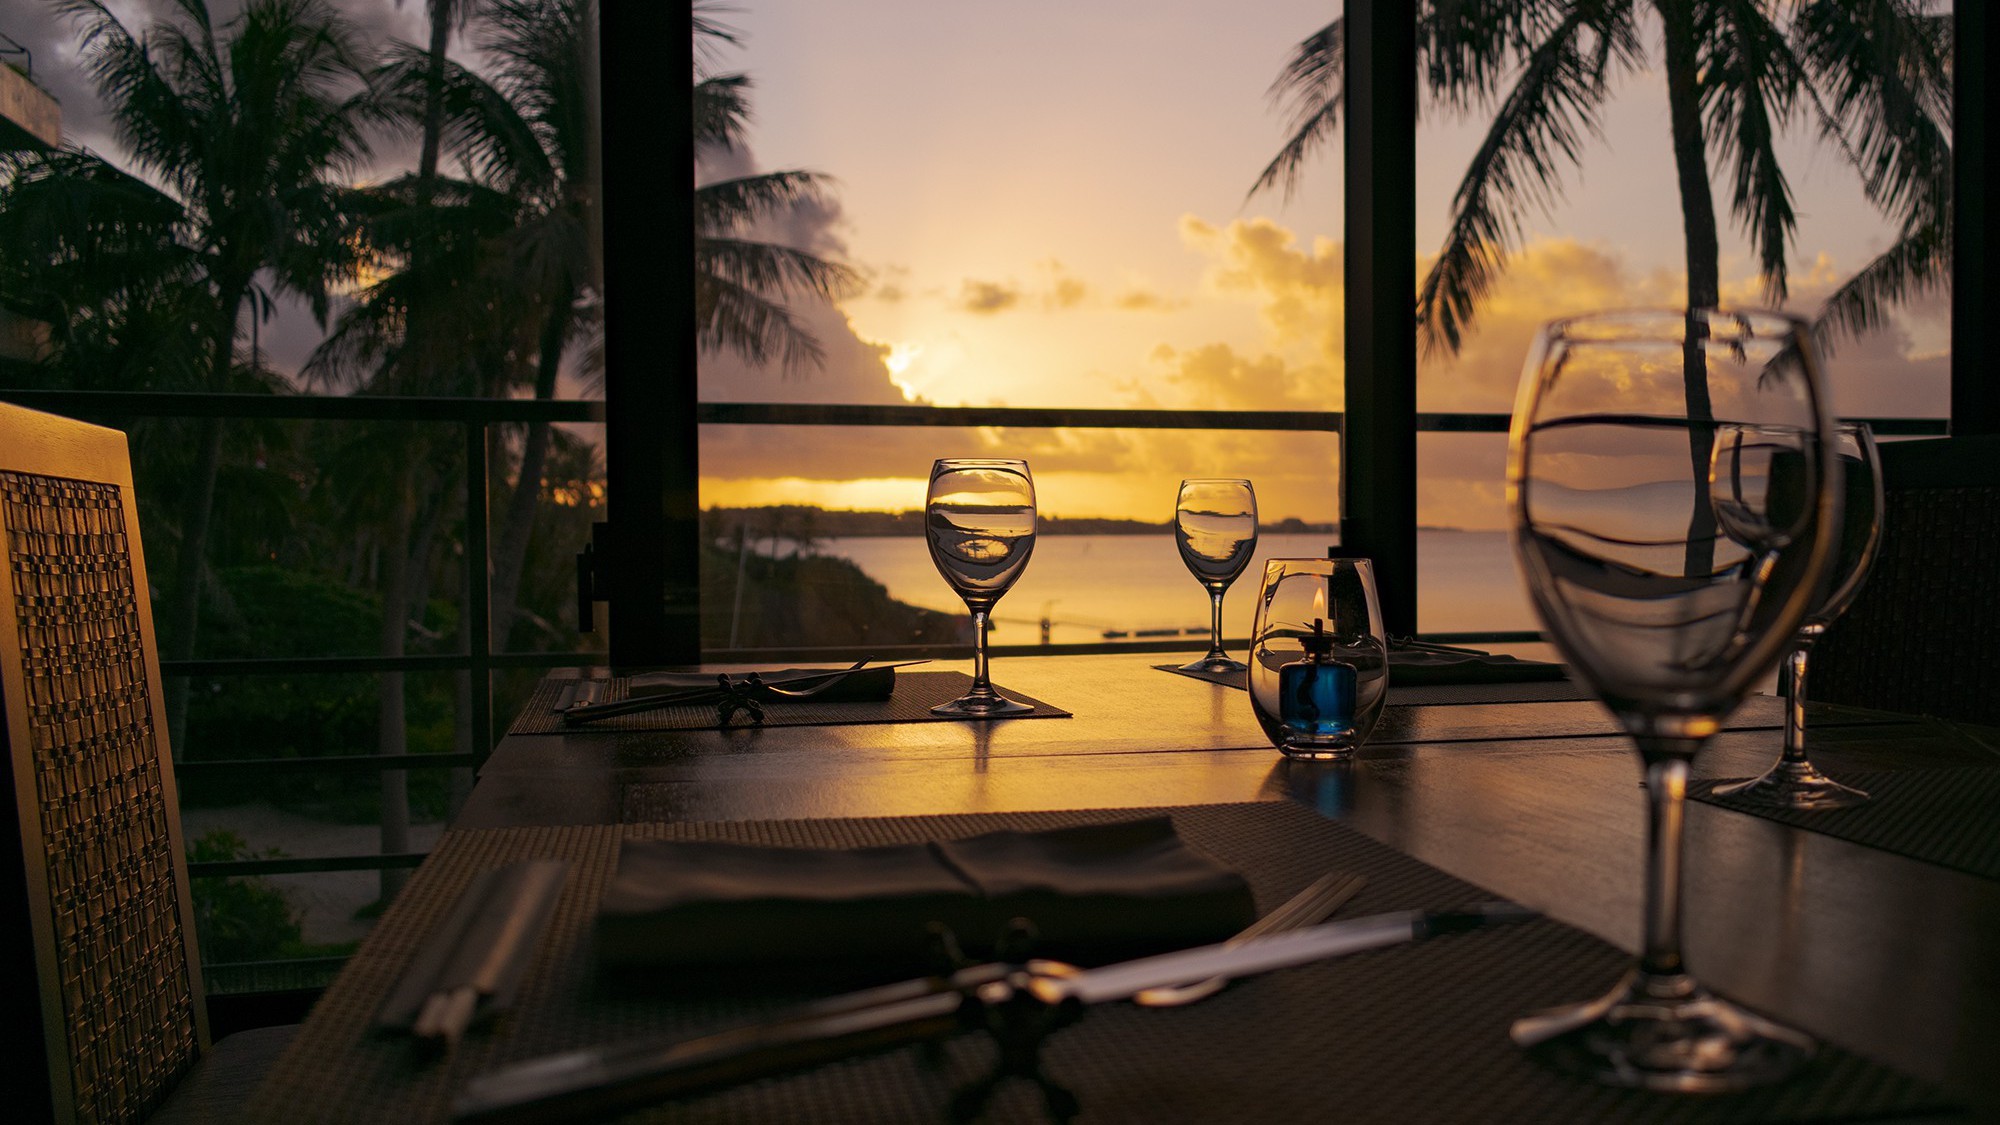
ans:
x=1214 y=665
x=994 y=706
x=1794 y=785
x=1664 y=1032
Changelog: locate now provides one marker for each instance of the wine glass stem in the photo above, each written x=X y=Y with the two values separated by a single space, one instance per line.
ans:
x=981 y=685
x=1795 y=704
x=1666 y=796
x=1215 y=622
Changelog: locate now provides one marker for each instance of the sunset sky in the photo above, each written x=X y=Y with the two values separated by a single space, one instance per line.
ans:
x=1048 y=200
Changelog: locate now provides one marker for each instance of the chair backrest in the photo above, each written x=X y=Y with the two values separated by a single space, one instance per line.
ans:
x=98 y=954
x=1921 y=636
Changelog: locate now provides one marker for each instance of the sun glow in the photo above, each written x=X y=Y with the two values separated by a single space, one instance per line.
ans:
x=898 y=360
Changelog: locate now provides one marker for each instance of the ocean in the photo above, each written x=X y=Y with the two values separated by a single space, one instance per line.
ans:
x=1089 y=585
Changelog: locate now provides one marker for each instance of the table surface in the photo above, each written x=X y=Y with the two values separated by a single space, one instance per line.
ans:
x=1537 y=802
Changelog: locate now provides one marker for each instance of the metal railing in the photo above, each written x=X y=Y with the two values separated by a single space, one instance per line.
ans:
x=476 y=417
x=479 y=661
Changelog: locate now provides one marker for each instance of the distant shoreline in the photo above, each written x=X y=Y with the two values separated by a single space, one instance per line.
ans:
x=791 y=521
x=794 y=521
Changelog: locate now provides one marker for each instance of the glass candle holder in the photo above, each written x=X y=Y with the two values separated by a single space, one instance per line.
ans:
x=1319 y=660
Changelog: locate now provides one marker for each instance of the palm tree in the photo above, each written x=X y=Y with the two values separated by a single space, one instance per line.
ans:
x=251 y=128
x=96 y=254
x=741 y=280
x=522 y=131
x=1872 y=74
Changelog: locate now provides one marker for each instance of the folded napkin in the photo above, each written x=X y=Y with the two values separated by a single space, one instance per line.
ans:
x=1416 y=667
x=864 y=686
x=1094 y=893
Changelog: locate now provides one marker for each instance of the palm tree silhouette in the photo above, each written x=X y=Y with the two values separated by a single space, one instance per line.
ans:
x=251 y=128
x=1872 y=74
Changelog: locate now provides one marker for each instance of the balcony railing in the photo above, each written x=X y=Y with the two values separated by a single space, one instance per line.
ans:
x=477 y=417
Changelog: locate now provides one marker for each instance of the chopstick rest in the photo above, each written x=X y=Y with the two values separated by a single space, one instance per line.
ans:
x=471 y=966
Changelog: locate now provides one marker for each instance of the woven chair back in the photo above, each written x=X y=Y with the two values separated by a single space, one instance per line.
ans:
x=98 y=957
x=1921 y=637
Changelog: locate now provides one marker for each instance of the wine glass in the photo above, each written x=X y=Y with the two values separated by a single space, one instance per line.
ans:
x=1670 y=595
x=1319 y=659
x=979 y=518
x=1215 y=526
x=1793 y=782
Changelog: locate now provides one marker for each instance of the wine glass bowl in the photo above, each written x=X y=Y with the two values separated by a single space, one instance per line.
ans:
x=1215 y=527
x=1319 y=658
x=1674 y=499
x=1793 y=782
x=979 y=522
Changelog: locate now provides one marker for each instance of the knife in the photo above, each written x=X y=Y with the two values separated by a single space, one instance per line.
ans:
x=602 y=1081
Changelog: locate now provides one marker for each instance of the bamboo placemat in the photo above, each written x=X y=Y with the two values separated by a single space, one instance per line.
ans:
x=1950 y=817
x=915 y=694
x=1412 y=1034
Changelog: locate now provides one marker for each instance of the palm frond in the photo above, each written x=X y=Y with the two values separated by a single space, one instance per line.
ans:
x=1538 y=129
x=1888 y=67
x=1750 y=87
x=733 y=317
x=770 y=268
x=721 y=112
x=726 y=206
x=1919 y=263
x=1311 y=89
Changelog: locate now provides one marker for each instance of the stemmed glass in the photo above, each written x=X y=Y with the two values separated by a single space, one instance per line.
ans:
x=1670 y=595
x=1793 y=782
x=979 y=518
x=1215 y=526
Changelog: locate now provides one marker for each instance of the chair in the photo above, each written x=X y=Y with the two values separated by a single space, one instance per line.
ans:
x=1921 y=637
x=97 y=946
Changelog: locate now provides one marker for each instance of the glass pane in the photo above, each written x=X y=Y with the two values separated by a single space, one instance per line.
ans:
x=833 y=511
x=1045 y=205
x=1612 y=235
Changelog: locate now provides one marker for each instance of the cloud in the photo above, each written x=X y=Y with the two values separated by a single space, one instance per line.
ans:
x=1144 y=300
x=987 y=297
x=1299 y=290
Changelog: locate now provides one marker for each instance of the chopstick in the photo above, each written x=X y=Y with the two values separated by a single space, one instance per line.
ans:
x=469 y=967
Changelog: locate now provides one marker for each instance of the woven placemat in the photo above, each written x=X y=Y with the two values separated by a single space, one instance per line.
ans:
x=916 y=693
x=1411 y=1034
x=1950 y=817
x=1436 y=695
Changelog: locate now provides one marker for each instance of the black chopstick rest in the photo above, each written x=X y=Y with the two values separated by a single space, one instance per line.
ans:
x=471 y=966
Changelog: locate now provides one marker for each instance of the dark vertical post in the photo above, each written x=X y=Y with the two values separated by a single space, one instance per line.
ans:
x=646 y=79
x=1378 y=463
x=478 y=588
x=1975 y=388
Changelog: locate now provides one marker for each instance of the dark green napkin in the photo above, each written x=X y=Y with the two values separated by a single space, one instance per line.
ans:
x=1094 y=893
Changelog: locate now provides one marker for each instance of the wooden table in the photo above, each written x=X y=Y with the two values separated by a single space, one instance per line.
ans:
x=1538 y=802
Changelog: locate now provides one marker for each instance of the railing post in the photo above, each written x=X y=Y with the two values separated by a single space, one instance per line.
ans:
x=478 y=587
x=1378 y=462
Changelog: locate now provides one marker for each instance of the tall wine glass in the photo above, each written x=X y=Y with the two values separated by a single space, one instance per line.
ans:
x=1215 y=526
x=1793 y=782
x=1670 y=596
x=979 y=518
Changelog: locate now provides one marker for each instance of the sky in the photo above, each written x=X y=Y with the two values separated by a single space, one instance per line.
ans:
x=1048 y=201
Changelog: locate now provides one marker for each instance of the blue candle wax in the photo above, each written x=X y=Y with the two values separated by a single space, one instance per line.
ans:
x=1316 y=696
